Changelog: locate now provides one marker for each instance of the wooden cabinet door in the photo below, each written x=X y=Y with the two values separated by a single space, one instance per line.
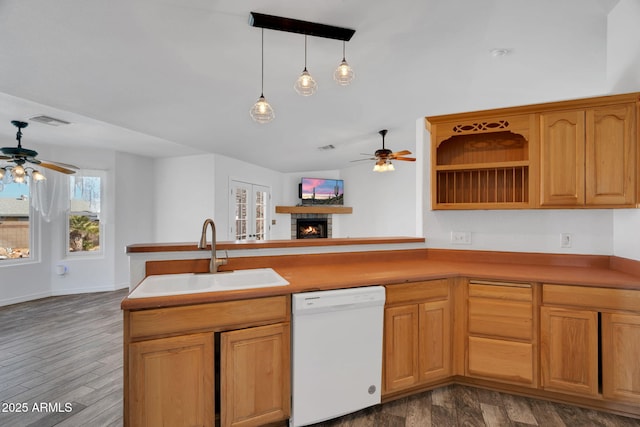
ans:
x=610 y=155
x=401 y=347
x=255 y=375
x=562 y=139
x=620 y=357
x=503 y=360
x=569 y=342
x=435 y=341
x=171 y=381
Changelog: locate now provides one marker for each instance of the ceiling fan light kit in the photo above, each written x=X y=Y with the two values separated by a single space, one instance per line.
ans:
x=384 y=156
x=17 y=157
x=305 y=85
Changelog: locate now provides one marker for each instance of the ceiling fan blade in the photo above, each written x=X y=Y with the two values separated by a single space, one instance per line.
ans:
x=64 y=165
x=2 y=157
x=57 y=168
x=406 y=159
x=361 y=160
x=402 y=153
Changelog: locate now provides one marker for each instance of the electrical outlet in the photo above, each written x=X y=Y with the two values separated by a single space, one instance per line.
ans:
x=566 y=239
x=461 y=237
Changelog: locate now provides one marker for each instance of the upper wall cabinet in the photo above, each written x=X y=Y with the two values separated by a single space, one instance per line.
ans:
x=572 y=154
x=588 y=157
x=483 y=163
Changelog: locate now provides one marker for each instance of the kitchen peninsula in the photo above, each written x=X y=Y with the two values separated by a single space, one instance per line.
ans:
x=491 y=319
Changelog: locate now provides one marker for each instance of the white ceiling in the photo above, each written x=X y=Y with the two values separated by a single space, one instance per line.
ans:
x=178 y=77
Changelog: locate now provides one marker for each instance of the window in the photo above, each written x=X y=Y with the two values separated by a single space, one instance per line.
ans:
x=85 y=228
x=15 y=220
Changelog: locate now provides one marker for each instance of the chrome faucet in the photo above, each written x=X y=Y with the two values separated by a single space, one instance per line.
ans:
x=215 y=262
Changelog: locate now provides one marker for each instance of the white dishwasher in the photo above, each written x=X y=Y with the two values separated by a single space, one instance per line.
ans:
x=336 y=352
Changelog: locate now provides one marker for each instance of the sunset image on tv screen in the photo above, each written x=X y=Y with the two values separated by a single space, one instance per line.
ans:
x=323 y=191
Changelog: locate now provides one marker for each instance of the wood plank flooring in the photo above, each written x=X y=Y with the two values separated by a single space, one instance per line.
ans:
x=68 y=350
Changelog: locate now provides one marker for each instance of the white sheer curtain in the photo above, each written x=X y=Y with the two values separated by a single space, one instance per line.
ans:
x=50 y=197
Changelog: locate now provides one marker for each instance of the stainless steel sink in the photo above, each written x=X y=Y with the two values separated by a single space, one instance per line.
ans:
x=191 y=283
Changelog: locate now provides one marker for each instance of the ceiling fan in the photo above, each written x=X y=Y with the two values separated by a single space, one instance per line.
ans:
x=20 y=156
x=383 y=156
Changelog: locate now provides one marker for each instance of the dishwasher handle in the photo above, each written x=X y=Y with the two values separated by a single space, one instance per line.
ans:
x=337 y=300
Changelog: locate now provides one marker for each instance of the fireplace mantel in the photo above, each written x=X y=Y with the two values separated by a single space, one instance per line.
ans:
x=314 y=209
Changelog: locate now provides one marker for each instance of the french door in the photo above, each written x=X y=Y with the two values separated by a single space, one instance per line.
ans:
x=249 y=210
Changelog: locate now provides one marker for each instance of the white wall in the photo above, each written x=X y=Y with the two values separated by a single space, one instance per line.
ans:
x=134 y=210
x=623 y=75
x=608 y=232
x=184 y=196
x=623 y=47
x=37 y=278
x=383 y=202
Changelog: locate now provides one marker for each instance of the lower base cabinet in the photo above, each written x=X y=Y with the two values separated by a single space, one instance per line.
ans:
x=171 y=381
x=255 y=374
x=237 y=373
x=621 y=357
x=569 y=350
x=502 y=334
x=417 y=335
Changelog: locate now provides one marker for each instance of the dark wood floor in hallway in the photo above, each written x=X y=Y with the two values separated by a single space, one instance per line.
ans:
x=66 y=352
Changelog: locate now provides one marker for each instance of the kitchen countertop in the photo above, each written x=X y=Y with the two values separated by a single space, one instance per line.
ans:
x=331 y=271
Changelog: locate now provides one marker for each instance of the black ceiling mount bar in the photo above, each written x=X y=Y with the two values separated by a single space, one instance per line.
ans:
x=279 y=23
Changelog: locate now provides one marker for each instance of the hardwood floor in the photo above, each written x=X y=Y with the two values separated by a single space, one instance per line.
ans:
x=458 y=405
x=62 y=350
x=66 y=352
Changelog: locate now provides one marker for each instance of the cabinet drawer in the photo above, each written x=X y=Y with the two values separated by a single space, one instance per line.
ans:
x=418 y=291
x=216 y=316
x=503 y=360
x=593 y=298
x=501 y=290
x=499 y=318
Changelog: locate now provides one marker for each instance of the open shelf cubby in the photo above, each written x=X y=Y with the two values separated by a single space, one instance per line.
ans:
x=487 y=168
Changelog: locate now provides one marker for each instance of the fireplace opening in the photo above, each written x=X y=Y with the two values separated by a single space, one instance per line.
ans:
x=311 y=228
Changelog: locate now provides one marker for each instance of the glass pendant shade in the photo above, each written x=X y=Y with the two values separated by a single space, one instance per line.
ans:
x=344 y=73
x=17 y=171
x=37 y=176
x=261 y=111
x=383 y=166
x=305 y=85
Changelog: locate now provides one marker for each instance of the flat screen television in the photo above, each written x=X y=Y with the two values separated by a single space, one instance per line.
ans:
x=321 y=191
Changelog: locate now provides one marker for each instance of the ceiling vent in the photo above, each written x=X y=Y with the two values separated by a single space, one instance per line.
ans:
x=327 y=147
x=47 y=120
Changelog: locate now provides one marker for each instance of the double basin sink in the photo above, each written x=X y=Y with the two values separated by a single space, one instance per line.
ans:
x=191 y=283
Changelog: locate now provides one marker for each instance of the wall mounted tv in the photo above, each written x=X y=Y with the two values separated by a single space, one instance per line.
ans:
x=321 y=191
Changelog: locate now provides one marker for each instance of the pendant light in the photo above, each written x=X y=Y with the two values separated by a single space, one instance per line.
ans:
x=261 y=111
x=305 y=85
x=344 y=73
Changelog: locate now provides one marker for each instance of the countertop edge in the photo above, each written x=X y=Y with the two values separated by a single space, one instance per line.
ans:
x=305 y=278
x=264 y=244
